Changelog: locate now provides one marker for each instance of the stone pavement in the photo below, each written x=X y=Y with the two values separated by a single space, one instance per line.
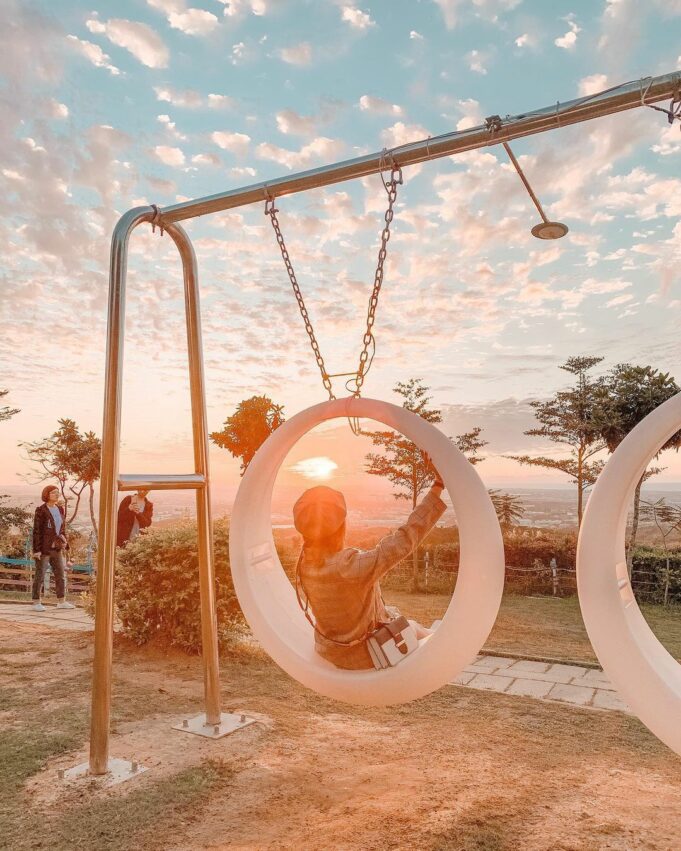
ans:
x=572 y=684
x=71 y=619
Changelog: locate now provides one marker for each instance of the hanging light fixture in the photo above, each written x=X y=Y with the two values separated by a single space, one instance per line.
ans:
x=545 y=229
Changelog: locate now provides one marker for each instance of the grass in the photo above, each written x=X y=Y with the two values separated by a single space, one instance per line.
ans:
x=548 y=627
x=143 y=818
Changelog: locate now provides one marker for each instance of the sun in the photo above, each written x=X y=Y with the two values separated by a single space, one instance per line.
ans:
x=319 y=467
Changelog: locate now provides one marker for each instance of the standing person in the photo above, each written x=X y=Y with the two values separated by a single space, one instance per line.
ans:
x=134 y=513
x=49 y=545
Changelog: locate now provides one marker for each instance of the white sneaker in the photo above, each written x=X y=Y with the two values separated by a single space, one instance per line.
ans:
x=39 y=607
x=65 y=605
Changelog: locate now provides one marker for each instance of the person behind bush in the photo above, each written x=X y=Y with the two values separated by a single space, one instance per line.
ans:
x=134 y=513
x=49 y=546
x=341 y=583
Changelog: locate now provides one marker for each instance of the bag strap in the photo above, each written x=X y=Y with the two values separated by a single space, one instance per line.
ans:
x=305 y=608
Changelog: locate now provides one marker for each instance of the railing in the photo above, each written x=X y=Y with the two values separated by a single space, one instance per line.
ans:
x=18 y=578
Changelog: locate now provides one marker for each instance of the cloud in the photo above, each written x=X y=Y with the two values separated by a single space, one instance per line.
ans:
x=489 y=9
x=526 y=40
x=620 y=299
x=190 y=99
x=169 y=155
x=299 y=54
x=402 y=134
x=378 y=106
x=416 y=36
x=594 y=287
x=94 y=54
x=290 y=122
x=191 y=21
x=206 y=159
x=593 y=84
x=476 y=61
x=569 y=40
x=239 y=8
x=57 y=109
x=319 y=148
x=144 y=43
x=357 y=19
x=170 y=127
x=236 y=143
x=472 y=117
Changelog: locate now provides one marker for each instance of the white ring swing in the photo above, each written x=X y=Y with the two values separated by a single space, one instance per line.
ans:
x=268 y=599
x=644 y=673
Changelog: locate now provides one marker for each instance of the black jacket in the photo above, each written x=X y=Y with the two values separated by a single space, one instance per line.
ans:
x=44 y=532
x=126 y=519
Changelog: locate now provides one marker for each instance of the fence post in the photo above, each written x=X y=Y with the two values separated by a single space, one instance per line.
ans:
x=554 y=573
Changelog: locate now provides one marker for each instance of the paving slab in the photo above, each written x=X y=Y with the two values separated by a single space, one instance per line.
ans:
x=495 y=662
x=52 y=617
x=578 y=695
x=489 y=682
x=525 y=665
x=596 y=678
x=610 y=700
x=529 y=688
x=464 y=678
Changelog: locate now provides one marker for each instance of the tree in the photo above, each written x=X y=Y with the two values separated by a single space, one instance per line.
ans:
x=573 y=417
x=13 y=517
x=509 y=509
x=6 y=412
x=70 y=458
x=667 y=519
x=403 y=463
x=633 y=392
x=248 y=428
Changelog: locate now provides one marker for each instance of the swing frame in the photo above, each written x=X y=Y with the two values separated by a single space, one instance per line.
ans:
x=496 y=130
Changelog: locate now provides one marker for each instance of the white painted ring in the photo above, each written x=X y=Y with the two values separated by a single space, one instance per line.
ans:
x=643 y=672
x=268 y=599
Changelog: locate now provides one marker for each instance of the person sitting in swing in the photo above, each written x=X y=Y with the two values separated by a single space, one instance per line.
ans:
x=342 y=584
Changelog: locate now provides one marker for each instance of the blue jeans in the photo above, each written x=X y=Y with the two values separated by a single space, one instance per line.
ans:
x=56 y=559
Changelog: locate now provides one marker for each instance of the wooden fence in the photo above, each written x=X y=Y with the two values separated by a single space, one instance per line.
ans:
x=20 y=578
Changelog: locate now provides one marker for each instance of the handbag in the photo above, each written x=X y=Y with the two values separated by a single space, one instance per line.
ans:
x=392 y=642
x=388 y=643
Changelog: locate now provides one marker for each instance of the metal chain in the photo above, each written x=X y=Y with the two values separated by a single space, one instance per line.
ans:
x=368 y=340
x=271 y=211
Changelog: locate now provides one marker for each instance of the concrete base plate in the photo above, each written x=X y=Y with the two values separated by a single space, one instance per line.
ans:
x=119 y=771
x=228 y=724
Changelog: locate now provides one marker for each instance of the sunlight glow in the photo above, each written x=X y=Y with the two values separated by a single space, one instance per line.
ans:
x=319 y=467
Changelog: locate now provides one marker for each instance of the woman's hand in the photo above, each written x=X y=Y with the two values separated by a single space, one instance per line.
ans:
x=437 y=478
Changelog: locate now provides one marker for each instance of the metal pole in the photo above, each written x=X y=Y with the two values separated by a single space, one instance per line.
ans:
x=521 y=175
x=108 y=492
x=494 y=131
x=204 y=526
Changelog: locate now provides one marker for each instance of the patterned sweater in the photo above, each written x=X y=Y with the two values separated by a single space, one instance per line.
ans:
x=344 y=593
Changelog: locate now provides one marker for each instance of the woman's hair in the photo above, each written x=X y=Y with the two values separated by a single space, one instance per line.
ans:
x=45 y=495
x=315 y=552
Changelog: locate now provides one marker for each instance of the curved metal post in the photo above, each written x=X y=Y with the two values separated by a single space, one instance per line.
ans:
x=109 y=485
x=204 y=526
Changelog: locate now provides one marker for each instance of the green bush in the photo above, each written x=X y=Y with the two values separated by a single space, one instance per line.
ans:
x=157 y=588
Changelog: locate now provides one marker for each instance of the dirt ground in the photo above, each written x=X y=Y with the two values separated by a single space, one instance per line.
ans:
x=460 y=769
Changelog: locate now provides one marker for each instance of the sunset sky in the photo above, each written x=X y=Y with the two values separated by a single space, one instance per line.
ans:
x=106 y=106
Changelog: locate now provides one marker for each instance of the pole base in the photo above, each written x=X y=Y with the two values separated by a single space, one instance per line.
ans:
x=229 y=723
x=118 y=771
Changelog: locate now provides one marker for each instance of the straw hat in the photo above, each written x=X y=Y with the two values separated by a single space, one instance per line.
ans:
x=319 y=513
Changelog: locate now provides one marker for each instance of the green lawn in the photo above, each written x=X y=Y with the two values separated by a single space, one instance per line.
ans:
x=541 y=626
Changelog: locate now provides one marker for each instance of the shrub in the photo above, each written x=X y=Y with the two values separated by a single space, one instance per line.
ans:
x=157 y=588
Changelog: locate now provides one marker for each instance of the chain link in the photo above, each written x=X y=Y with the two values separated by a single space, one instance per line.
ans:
x=368 y=340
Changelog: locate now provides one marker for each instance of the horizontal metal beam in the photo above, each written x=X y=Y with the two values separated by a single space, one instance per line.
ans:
x=157 y=482
x=493 y=132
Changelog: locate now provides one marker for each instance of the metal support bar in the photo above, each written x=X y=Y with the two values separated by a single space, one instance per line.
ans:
x=618 y=99
x=521 y=175
x=104 y=612
x=157 y=482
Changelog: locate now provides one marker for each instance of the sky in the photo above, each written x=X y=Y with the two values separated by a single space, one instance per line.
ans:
x=106 y=106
